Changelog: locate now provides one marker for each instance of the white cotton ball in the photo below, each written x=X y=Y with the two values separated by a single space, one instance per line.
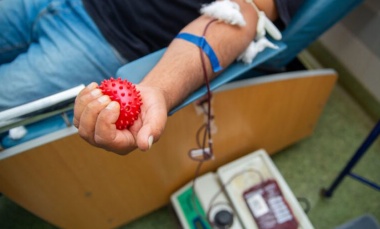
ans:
x=17 y=132
x=226 y=11
x=254 y=48
x=249 y=53
x=264 y=43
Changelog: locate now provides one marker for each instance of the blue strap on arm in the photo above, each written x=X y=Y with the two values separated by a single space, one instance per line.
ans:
x=203 y=44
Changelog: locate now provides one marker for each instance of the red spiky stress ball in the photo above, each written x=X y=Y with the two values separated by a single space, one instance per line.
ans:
x=126 y=94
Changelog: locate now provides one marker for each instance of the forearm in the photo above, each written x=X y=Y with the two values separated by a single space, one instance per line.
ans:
x=179 y=72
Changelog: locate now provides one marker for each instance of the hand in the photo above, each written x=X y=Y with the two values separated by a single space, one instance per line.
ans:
x=95 y=116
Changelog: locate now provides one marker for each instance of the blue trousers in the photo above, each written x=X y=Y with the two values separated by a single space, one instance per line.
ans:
x=47 y=46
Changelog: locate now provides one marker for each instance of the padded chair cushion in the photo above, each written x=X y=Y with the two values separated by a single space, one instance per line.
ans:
x=311 y=21
x=38 y=129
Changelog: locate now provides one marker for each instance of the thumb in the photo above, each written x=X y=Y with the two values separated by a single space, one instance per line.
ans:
x=152 y=129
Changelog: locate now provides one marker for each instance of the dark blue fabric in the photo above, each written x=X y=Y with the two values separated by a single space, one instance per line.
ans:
x=139 y=27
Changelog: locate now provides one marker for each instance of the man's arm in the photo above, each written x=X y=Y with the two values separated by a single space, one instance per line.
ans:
x=178 y=73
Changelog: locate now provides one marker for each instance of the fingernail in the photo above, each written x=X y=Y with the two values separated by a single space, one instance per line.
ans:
x=103 y=99
x=92 y=85
x=150 y=141
x=111 y=106
x=96 y=92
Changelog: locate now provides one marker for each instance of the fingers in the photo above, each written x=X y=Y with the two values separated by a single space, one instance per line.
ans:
x=95 y=116
x=107 y=136
x=84 y=97
x=89 y=117
x=88 y=104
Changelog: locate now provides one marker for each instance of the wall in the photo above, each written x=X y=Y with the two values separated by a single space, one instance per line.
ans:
x=355 y=42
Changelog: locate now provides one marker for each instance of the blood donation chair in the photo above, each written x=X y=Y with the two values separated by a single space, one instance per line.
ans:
x=59 y=177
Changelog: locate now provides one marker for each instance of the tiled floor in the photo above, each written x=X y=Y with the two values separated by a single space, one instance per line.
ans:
x=307 y=166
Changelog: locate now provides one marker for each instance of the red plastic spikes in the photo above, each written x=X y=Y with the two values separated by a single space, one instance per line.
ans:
x=126 y=94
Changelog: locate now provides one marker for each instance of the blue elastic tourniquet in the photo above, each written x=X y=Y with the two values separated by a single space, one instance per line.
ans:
x=203 y=44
